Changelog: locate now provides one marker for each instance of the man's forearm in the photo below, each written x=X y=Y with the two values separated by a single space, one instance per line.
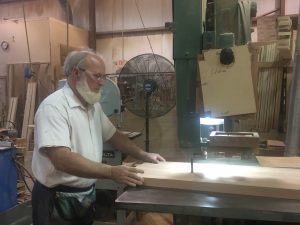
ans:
x=126 y=146
x=72 y=163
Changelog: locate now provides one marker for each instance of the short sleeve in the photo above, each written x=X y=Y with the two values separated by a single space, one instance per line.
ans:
x=108 y=129
x=51 y=128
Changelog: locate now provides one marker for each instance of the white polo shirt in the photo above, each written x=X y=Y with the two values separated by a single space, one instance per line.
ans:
x=61 y=120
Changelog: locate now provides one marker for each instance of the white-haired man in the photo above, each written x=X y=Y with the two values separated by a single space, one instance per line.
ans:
x=70 y=129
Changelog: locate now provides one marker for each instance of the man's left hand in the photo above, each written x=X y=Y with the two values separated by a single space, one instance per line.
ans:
x=153 y=158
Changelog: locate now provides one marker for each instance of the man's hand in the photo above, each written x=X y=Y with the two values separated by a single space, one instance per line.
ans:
x=153 y=158
x=127 y=175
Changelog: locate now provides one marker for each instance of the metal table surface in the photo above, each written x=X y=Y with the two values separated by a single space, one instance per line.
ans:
x=18 y=215
x=209 y=204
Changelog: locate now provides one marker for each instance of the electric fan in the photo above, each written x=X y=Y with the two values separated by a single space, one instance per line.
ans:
x=147 y=84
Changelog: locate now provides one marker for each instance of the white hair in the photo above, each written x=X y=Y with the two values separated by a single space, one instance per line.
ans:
x=78 y=59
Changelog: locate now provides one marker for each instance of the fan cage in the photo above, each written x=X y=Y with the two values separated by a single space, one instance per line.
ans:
x=131 y=84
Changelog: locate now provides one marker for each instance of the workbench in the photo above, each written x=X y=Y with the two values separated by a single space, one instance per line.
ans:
x=18 y=215
x=204 y=204
x=239 y=189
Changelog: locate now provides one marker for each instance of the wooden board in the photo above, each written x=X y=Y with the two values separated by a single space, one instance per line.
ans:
x=227 y=90
x=267 y=28
x=221 y=178
x=12 y=109
x=29 y=111
x=234 y=139
x=285 y=162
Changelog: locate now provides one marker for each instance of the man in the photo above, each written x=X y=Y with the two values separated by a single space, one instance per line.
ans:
x=70 y=128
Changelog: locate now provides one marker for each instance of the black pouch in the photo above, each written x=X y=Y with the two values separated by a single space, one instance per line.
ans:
x=70 y=208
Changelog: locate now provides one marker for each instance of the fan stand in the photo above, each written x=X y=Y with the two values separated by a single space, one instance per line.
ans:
x=147 y=122
x=149 y=87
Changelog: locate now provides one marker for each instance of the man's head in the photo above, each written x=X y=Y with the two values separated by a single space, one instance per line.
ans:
x=85 y=72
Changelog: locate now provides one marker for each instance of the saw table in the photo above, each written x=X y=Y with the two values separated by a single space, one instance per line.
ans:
x=264 y=198
x=204 y=204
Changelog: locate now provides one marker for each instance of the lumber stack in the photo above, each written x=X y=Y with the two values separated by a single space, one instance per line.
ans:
x=269 y=86
x=284 y=43
x=21 y=150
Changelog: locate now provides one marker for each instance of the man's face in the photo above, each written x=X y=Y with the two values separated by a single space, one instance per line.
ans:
x=91 y=79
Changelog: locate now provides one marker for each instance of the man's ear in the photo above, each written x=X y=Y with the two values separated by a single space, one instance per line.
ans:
x=76 y=73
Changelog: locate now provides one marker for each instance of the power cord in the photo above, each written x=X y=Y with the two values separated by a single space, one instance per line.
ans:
x=20 y=167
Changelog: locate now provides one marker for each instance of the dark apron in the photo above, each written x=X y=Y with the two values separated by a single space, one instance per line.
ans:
x=50 y=208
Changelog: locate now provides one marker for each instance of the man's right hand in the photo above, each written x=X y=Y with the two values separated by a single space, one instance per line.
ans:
x=127 y=175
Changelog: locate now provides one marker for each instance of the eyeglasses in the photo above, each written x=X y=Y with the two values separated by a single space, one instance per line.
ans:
x=96 y=76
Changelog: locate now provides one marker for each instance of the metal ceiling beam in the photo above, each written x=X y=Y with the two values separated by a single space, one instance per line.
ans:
x=9 y=1
x=265 y=14
x=133 y=32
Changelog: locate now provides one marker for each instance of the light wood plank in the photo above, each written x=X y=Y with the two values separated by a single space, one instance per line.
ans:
x=26 y=111
x=10 y=80
x=285 y=162
x=29 y=109
x=11 y=115
x=221 y=178
x=3 y=93
x=31 y=112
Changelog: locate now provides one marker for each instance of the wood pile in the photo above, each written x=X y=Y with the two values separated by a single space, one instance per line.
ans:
x=284 y=34
x=21 y=150
x=269 y=86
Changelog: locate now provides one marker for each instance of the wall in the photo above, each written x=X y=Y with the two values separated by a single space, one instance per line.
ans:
x=116 y=15
x=61 y=34
x=292 y=7
x=12 y=25
x=48 y=8
x=117 y=51
x=266 y=6
x=124 y=14
x=46 y=35
x=119 y=15
x=13 y=31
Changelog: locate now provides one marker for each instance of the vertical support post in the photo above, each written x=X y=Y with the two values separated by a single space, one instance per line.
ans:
x=282 y=7
x=187 y=44
x=92 y=24
x=147 y=96
x=293 y=126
